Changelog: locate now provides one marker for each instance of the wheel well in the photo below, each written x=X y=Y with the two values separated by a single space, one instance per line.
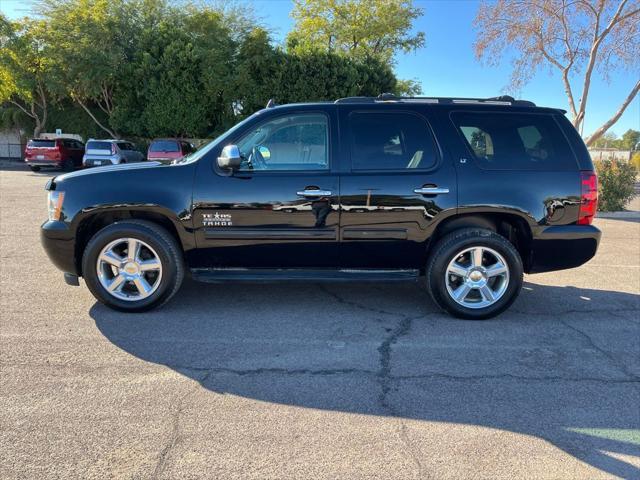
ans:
x=512 y=227
x=92 y=225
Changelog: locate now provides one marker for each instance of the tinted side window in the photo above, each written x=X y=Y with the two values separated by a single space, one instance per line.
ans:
x=390 y=141
x=290 y=142
x=515 y=141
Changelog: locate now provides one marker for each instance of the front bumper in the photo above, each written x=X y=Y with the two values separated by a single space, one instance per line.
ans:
x=59 y=244
x=563 y=246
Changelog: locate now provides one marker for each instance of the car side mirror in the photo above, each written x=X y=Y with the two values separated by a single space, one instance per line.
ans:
x=230 y=158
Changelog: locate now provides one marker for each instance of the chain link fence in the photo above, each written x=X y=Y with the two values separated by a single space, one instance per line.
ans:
x=12 y=151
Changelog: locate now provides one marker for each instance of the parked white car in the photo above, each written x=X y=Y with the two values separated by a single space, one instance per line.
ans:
x=110 y=152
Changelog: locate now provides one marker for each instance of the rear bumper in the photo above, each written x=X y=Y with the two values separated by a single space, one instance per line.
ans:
x=59 y=244
x=563 y=246
x=100 y=161
x=44 y=163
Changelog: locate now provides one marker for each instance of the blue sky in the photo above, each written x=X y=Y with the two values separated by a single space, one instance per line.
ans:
x=446 y=66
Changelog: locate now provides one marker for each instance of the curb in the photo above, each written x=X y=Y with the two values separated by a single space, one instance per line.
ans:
x=626 y=214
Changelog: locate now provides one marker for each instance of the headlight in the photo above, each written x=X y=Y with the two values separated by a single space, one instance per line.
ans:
x=54 y=204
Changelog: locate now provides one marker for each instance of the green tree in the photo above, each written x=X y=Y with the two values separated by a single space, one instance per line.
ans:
x=25 y=71
x=630 y=140
x=258 y=72
x=94 y=42
x=264 y=72
x=356 y=28
x=608 y=140
x=177 y=82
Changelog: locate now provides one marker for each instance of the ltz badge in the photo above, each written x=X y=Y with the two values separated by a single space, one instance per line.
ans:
x=217 y=219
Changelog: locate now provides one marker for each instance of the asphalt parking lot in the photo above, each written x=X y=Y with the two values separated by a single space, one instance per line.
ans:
x=315 y=381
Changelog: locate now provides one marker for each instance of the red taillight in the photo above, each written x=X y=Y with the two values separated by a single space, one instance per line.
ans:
x=588 y=197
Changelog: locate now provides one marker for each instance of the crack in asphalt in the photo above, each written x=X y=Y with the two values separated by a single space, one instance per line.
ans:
x=621 y=366
x=384 y=372
x=175 y=430
x=384 y=377
x=355 y=304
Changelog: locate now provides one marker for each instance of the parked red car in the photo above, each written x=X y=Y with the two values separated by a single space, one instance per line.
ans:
x=64 y=153
x=168 y=149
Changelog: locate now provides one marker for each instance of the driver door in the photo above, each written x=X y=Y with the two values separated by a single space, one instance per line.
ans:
x=280 y=209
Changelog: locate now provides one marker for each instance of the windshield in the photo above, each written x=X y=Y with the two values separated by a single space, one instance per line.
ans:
x=202 y=151
x=164 y=146
x=100 y=146
x=41 y=143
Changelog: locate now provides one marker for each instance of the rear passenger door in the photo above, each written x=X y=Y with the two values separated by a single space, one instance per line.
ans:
x=396 y=184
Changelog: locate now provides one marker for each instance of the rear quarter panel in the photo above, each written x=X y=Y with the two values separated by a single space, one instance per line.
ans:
x=542 y=198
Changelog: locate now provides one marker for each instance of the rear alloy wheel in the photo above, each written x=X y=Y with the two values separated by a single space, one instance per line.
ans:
x=474 y=273
x=477 y=277
x=133 y=265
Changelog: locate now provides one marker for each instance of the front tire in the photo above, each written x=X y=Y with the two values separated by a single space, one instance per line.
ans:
x=34 y=168
x=133 y=266
x=474 y=273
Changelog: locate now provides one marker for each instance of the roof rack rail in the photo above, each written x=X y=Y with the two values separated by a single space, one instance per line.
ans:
x=390 y=97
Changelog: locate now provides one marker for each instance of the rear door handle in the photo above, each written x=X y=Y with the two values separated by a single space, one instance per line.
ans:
x=431 y=190
x=314 y=193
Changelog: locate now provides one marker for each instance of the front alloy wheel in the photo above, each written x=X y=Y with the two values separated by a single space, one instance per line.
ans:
x=133 y=265
x=129 y=269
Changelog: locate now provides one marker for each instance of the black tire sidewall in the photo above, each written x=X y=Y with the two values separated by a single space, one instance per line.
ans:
x=454 y=243
x=147 y=235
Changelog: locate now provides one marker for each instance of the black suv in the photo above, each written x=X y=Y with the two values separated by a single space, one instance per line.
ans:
x=470 y=193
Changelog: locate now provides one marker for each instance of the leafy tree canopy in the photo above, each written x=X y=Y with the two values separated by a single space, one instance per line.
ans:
x=148 y=68
x=375 y=28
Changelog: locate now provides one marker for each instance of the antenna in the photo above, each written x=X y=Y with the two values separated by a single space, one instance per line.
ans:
x=271 y=103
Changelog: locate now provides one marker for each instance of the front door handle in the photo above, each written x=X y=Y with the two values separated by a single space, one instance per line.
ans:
x=431 y=190
x=314 y=192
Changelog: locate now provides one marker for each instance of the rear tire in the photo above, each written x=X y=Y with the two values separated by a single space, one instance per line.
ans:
x=34 y=168
x=474 y=273
x=128 y=293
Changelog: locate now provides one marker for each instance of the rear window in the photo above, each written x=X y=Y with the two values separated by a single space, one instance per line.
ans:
x=515 y=141
x=41 y=143
x=164 y=146
x=99 y=146
x=390 y=141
